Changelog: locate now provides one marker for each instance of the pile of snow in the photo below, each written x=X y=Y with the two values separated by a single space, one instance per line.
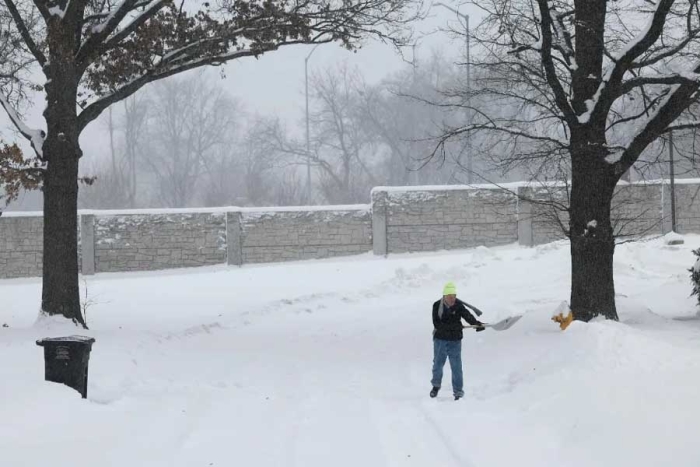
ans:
x=673 y=238
x=328 y=363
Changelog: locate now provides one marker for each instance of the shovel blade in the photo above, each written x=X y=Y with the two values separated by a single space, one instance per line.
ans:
x=505 y=323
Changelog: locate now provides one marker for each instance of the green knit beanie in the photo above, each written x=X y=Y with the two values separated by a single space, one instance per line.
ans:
x=449 y=289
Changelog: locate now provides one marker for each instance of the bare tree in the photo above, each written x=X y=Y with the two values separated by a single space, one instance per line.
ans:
x=398 y=114
x=289 y=189
x=594 y=82
x=106 y=190
x=96 y=53
x=344 y=151
x=243 y=172
x=260 y=160
x=115 y=181
x=134 y=128
x=189 y=119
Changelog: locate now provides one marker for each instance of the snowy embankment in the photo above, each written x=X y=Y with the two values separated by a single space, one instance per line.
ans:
x=328 y=363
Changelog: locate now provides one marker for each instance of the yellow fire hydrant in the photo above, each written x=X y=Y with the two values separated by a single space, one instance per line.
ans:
x=563 y=320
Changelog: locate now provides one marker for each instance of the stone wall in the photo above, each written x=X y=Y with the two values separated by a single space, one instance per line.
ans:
x=418 y=219
x=20 y=245
x=399 y=220
x=298 y=235
x=547 y=218
x=687 y=207
x=636 y=211
x=140 y=242
x=112 y=241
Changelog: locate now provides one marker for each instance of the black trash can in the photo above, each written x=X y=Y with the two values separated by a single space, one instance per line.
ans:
x=66 y=361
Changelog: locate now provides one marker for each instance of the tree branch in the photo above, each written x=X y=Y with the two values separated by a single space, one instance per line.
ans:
x=676 y=102
x=503 y=129
x=26 y=36
x=683 y=126
x=36 y=137
x=105 y=14
x=668 y=52
x=99 y=33
x=609 y=88
x=630 y=84
x=647 y=107
x=92 y=111
x=548 y=63
x=151 y=9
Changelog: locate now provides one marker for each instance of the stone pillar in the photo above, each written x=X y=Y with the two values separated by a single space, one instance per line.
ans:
x=379 y=223
x=525 y=233
x=666 y=219
x=234 y=250
x=87 y=244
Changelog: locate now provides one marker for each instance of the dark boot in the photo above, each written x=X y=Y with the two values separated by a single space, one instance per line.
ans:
x=434 y=391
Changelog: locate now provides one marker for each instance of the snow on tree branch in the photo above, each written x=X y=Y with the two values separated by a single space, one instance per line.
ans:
x=679 y=125
x=551 y=74
x=622 y=61
x=36 y=137
x=98 y=38
x=659 y=121
x=670 y=79
x=641 y=43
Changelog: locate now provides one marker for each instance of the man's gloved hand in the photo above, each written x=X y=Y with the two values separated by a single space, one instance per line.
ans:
x=481 y=328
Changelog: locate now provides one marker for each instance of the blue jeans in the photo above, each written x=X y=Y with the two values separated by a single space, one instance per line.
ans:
x=442 y=350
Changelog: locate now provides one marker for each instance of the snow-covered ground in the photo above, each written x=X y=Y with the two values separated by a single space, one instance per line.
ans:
x=327 y=363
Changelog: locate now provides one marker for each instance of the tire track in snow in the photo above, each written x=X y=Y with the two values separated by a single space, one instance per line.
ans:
x=446 y=442
x=410 y=436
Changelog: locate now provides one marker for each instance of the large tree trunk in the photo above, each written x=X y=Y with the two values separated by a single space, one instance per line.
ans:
x=61 y=151
x=60 y=294
x=591 y=232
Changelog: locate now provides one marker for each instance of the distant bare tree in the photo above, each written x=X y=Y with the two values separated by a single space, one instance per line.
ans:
x=289 y=188
x=107 y=188
x=344 y=151
x=243 y=172
x=134 y=129
x=399 y=114
x=189 y=119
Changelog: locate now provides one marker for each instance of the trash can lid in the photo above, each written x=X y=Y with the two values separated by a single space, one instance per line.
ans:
x=77 y=339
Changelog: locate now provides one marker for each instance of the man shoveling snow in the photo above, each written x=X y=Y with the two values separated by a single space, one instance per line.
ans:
x=448 y=313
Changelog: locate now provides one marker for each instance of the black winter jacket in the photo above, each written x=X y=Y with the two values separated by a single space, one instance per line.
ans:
x=449 y=326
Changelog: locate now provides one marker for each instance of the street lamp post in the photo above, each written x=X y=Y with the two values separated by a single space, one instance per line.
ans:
x=308 y=144
x=673 y=181
x=470 y=167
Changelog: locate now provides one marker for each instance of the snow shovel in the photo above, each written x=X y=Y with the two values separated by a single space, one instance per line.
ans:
x=502 y=325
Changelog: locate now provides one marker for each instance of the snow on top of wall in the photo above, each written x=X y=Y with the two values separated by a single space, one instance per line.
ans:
x=22 y=214
x=225 y=209
x=483 y=186
x=219 y=210
x=323 y=215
